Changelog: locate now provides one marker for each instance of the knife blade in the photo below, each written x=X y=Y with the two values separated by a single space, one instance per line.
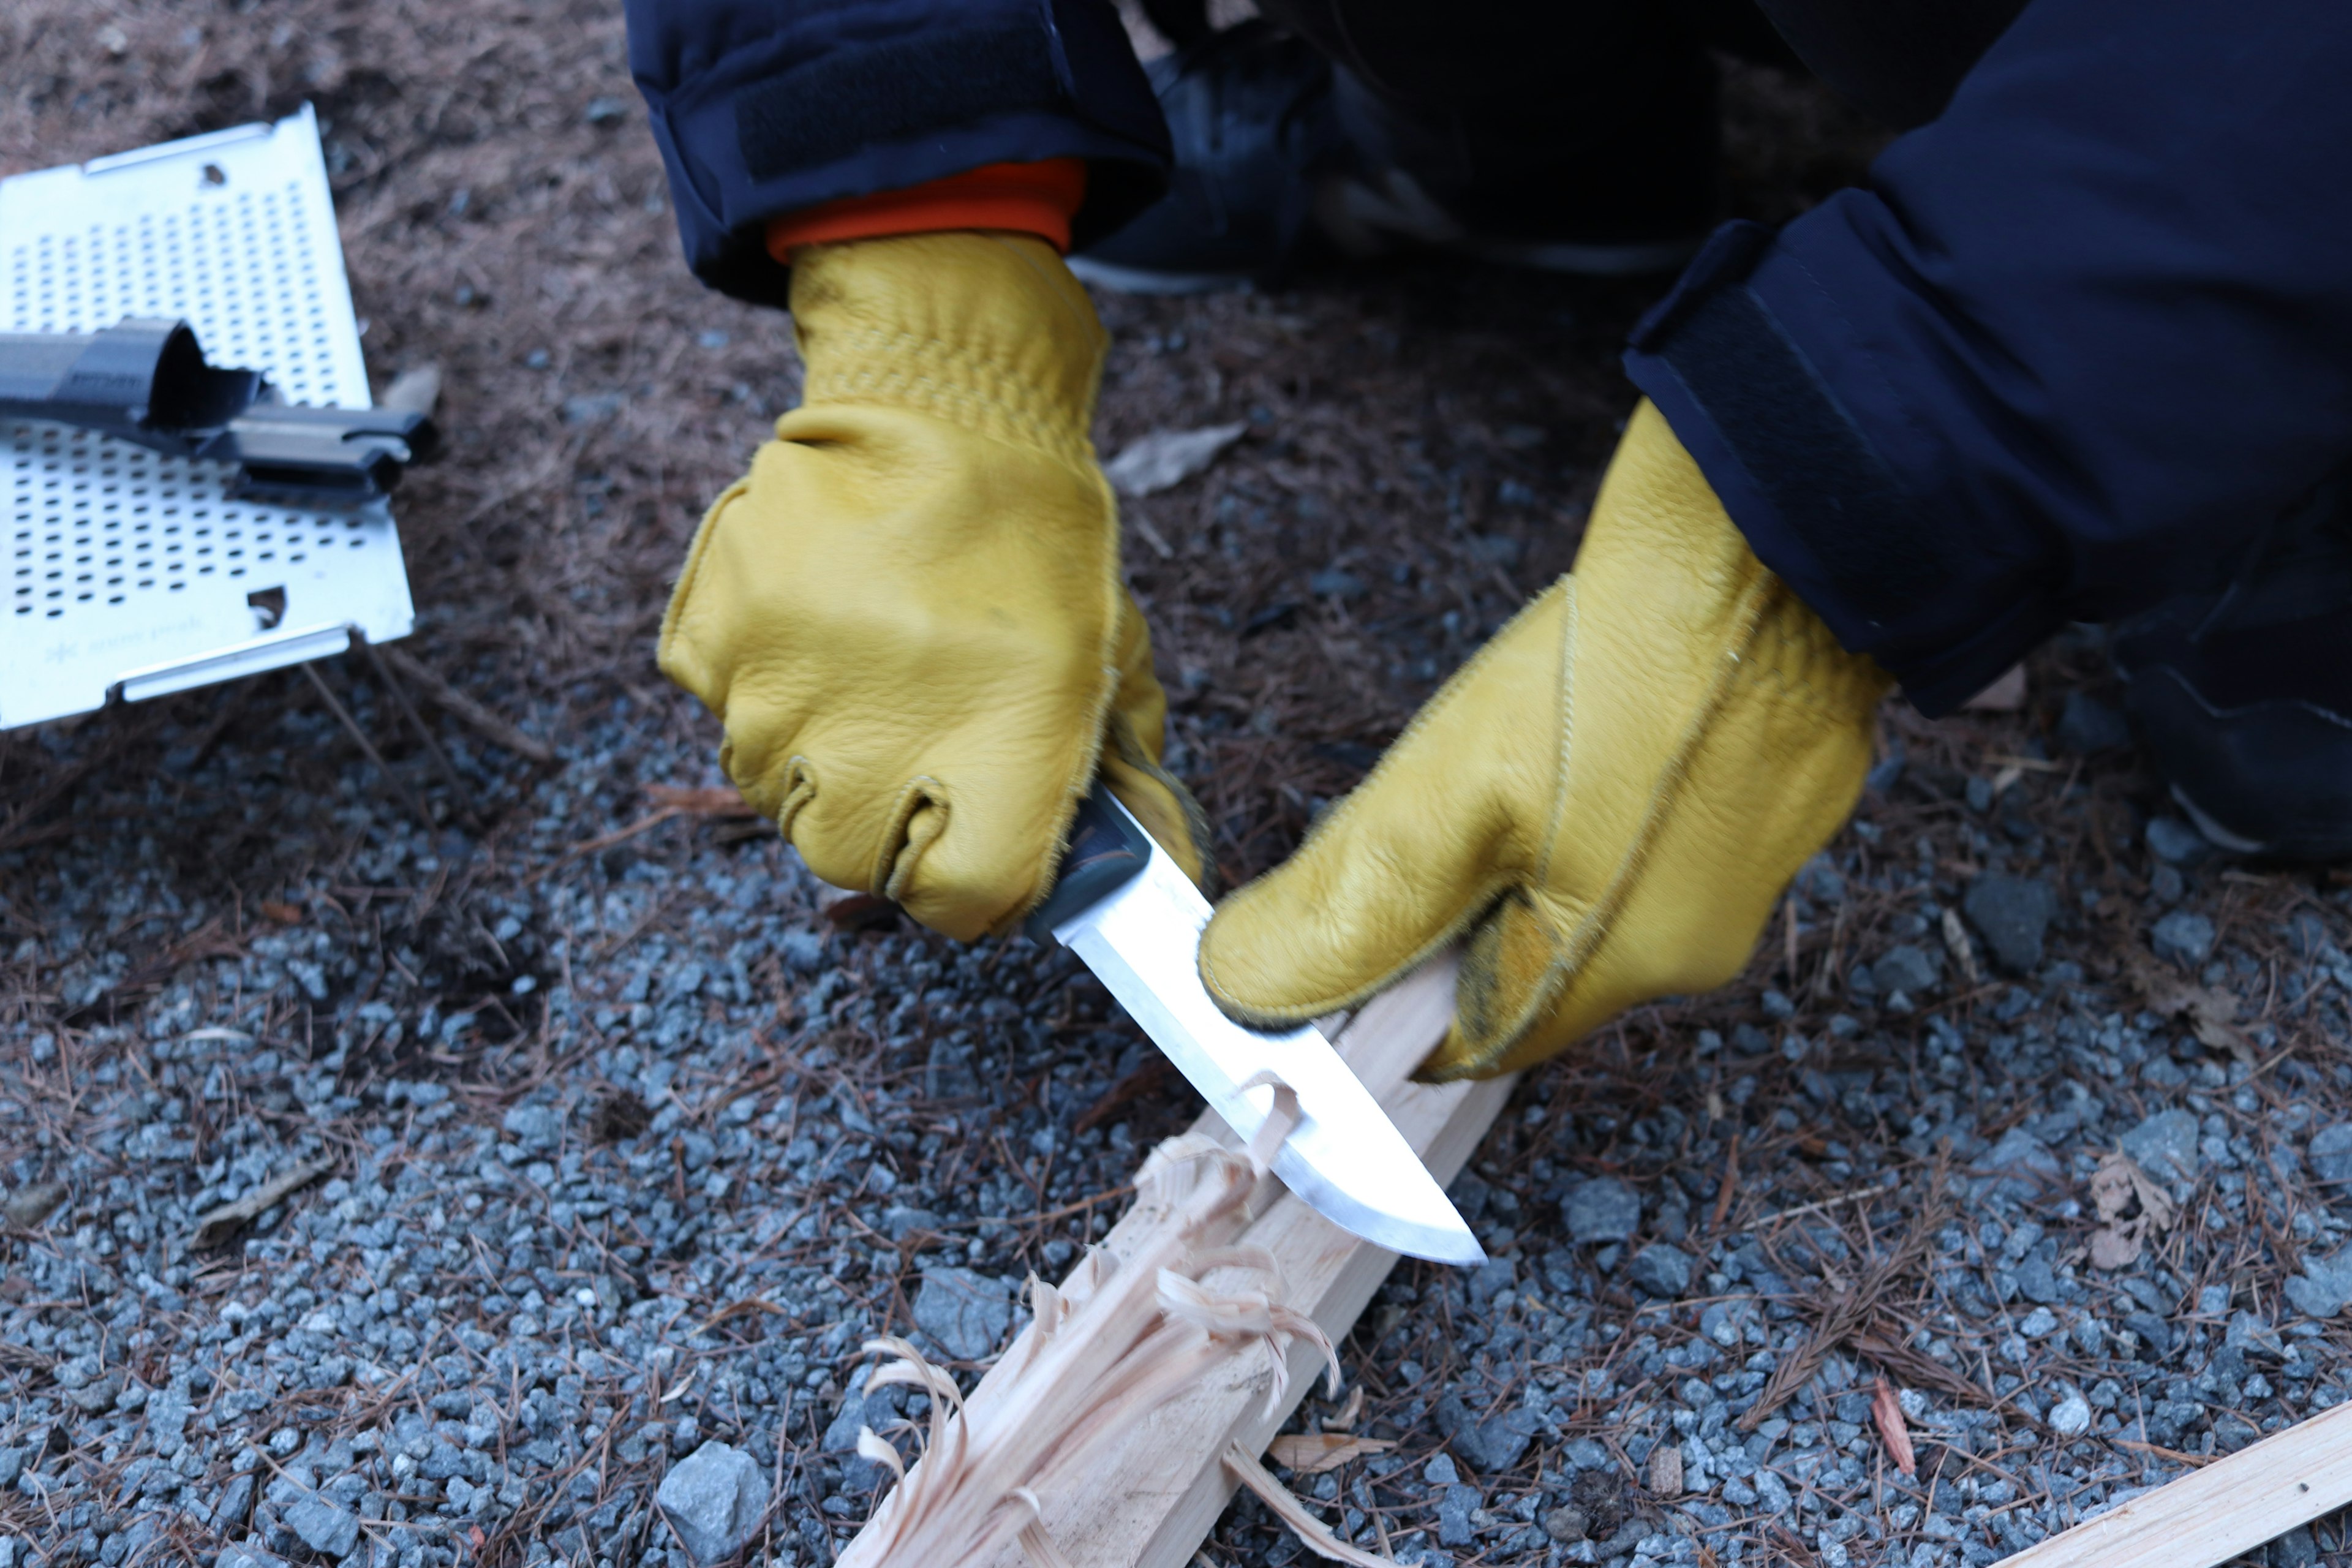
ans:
x=1128 y=911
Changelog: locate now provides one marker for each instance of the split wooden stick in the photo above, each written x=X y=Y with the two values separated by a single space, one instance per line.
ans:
x=2218 y=1512
x=1148 y=1495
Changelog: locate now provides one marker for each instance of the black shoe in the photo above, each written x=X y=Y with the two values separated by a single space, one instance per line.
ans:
x=2243 y=699
x=1280 y=155
x=1250 y=111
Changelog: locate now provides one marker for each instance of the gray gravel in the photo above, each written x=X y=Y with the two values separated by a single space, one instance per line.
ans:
x=629 y=1147
x=630 y=1154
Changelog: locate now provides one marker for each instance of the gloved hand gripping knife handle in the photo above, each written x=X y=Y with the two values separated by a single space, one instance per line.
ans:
x=146 y=381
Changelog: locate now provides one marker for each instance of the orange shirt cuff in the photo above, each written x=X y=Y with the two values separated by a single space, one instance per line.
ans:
x=1023 y=198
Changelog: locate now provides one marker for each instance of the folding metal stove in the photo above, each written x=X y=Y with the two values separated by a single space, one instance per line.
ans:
x=130 y=572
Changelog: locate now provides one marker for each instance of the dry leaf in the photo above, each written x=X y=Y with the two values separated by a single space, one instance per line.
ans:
x=2154 y=1201
x=1166 y=458
x=1887 y=1413
x=1667 y=1470
x=2115 y=1186
x=2212 y=1014
x=2113 y=1249
x=1312 y=1454
x=2111 y=1186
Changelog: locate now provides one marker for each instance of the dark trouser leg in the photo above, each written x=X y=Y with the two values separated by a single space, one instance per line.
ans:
x=2243 y=699
x=1589 y=118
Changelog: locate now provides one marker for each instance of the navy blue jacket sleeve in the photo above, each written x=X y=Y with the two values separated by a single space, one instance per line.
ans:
x=2079 y=341
x=765 y=107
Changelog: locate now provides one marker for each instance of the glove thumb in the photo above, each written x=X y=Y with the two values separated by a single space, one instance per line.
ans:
x=1413 y=857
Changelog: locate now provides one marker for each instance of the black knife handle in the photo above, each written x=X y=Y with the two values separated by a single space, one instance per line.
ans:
x=1106 y=851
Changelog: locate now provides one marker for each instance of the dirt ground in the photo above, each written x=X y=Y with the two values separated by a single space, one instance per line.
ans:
x=1424 y=438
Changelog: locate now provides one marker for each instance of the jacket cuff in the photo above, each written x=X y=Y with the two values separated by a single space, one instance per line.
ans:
x=1018 y=198
x=1893 y=575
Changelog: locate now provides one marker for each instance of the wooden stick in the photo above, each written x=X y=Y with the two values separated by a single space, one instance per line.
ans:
x=2229 y=1506
x=1149 y=1494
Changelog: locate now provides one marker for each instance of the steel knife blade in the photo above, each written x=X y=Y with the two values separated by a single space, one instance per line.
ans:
x=1127 y=911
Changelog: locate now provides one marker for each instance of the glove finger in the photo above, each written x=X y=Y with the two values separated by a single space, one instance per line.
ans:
x=1134 y=741
x=1415 y=854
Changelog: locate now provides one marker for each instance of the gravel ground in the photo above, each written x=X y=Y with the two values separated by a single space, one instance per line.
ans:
x=614 y=1135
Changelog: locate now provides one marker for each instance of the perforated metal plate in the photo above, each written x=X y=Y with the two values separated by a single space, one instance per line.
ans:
x=134 y=572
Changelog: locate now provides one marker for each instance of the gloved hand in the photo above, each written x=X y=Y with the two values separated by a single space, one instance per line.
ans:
x=1604 y=802
x=909 y=614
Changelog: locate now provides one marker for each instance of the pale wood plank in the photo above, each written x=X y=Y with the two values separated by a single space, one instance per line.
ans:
x=2214 y=1513
x=1151 y=1495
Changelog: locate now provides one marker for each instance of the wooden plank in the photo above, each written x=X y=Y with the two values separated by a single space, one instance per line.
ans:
x=1149 y=1496
x=2217 y=1513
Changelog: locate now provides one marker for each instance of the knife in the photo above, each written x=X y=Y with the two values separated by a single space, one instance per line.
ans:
x=1125 y=907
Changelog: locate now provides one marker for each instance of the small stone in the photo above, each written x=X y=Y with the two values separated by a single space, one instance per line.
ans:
x=533 y=1125
x=1908 y=968
x=250 y=1554
x=1492 y=1444
x=2164 y=1145
x=1661 y=1268
x=2176 y=843
x=2183 y=937
x=236 y=1502
x=1584 y=1454
x=2086 y=725
x=966 y=1314
x=1332 y=583
x=593 y=408
x=167 y=1418
x=714 y=1500
x=2249 y=1335
x=2011 y=913
x=1439 y=1471
x=1602 y=1210
x=2071 y=1417
x=1566 y=1525
x=859 y=1408
x=2038 y=1323
x=2323 y=1285
x=2021 y=1151
x=1453 y=1528
x=2330 y=1152
x=324 y=1524
x=803 y=950
x=2296 y=1548
x=607 y=110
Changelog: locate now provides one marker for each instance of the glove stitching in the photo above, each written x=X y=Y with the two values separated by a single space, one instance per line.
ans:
x=899 y=368
x=674 y=615
x=1473 y=908
x=1575 y=949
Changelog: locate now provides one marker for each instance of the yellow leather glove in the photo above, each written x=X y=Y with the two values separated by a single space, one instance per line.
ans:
x=909 y=614
x=1605 y=801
